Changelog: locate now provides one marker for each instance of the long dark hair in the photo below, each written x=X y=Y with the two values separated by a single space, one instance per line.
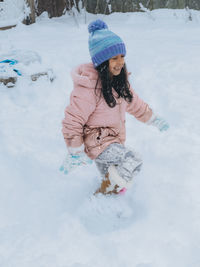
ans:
x=120 y=83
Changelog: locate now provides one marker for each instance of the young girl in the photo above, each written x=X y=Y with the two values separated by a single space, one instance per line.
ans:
x=94 y=123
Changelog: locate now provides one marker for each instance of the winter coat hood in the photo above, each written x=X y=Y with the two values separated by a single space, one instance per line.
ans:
x=85 y=75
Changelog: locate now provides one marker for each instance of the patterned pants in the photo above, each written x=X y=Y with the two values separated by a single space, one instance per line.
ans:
x=127 y=163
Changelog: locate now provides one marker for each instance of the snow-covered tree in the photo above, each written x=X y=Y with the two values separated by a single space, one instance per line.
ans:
x=13 y=11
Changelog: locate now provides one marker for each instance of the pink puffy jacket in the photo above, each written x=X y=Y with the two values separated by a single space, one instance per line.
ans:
x=88 y=118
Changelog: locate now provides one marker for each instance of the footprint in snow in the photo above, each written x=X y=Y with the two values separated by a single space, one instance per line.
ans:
x=101 y=214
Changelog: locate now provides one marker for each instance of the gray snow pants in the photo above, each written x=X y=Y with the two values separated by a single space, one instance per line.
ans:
x=127 y=163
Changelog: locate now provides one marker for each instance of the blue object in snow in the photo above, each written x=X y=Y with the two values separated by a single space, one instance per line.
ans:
x=12 y=62
x=18 y=72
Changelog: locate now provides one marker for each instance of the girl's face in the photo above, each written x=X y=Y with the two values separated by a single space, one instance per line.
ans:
x=116 y=64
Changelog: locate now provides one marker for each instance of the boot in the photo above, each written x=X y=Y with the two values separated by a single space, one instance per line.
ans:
x=106 y=188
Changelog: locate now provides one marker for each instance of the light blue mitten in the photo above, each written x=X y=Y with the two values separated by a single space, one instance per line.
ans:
x=72 y=161
x=160 y=123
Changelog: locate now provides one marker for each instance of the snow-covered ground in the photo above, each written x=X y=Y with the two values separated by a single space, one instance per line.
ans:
x=11 y=11
x=48 y=219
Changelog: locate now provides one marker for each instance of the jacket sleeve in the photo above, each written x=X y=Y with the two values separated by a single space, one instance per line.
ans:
x=77 y=113
x=138 y=108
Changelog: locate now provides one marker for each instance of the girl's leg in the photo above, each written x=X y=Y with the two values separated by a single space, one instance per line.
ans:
x=119 y=165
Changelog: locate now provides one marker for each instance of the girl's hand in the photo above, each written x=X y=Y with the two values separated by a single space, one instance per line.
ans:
x=72 y=161
x=160 y=123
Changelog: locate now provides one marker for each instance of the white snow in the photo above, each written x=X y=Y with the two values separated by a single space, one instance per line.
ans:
x=11 y=12
x=48 y=219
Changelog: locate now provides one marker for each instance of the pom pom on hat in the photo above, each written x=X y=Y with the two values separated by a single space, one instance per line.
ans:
x=97 y=25
x=103 y=43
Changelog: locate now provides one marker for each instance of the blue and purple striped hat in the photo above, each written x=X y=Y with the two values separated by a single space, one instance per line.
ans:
x=103 y=44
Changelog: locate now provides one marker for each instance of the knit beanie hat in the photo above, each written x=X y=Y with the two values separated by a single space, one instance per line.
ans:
x=103 y=44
